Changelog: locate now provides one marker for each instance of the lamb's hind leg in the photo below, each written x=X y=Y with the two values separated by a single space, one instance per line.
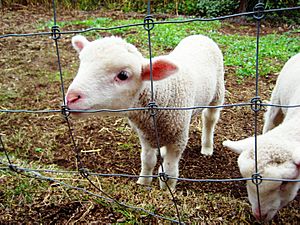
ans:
x=273 y=117
x=210 y=118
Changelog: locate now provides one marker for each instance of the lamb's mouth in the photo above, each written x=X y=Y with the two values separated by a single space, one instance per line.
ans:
x=79 y=112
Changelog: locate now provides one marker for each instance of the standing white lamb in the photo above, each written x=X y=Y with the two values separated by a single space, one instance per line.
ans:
x=278 y=148
x=113 y=74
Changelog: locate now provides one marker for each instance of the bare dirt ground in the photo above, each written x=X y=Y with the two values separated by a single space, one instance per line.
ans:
x=24 y=62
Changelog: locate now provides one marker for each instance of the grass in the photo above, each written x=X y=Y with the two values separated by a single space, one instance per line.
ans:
x=18 y=192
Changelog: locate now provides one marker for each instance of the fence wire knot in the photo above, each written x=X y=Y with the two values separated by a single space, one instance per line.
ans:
x=256 y=104
x=259 y=11
x=256 y=178
x=13 y=167
x=148 y=23
x=163 y=177
x=152 y=108
x=84 y=172
x=55 y=32
x=65 y=111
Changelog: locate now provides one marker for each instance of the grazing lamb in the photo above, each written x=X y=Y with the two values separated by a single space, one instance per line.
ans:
x=278 y=147
x=113 y=74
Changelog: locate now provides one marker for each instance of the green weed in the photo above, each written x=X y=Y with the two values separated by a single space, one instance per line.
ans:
x=8 y=95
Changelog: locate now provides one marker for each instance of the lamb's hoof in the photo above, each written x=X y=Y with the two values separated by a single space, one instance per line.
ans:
x=207 y=151
x=171 y=184
x=144 y=181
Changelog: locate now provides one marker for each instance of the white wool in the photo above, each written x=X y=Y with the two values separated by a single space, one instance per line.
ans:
x=278 y=148
x=192 y=74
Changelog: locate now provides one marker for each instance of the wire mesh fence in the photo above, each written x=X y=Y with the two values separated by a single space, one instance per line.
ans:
x=255 y=104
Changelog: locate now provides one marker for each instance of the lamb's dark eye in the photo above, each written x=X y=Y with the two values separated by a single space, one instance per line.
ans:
x=123 y=75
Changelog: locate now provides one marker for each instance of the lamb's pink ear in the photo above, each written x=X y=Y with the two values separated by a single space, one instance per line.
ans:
x=79 y=42
x=239 y=146
x=161 y=68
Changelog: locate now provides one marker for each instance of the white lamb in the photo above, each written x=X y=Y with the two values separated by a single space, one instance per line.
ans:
x=113 y=74
x=278 y=147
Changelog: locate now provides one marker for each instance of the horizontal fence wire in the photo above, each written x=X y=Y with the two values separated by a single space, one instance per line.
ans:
x=255 y=104
x=24 y=169
x=251 y=104
x=143 y=24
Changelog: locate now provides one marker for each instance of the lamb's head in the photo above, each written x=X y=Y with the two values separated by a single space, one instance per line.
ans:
x=111 y=74
x=276 y=159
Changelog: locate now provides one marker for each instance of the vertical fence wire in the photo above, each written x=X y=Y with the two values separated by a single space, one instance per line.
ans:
x=64 y=111
x=259 y=8
x=3 y=149
x=149 y=25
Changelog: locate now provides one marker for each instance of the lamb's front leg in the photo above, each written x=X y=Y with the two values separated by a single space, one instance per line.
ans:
x=148 y=161
x=170 y=165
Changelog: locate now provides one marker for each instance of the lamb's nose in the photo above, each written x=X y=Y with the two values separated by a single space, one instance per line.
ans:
x=73 y=97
